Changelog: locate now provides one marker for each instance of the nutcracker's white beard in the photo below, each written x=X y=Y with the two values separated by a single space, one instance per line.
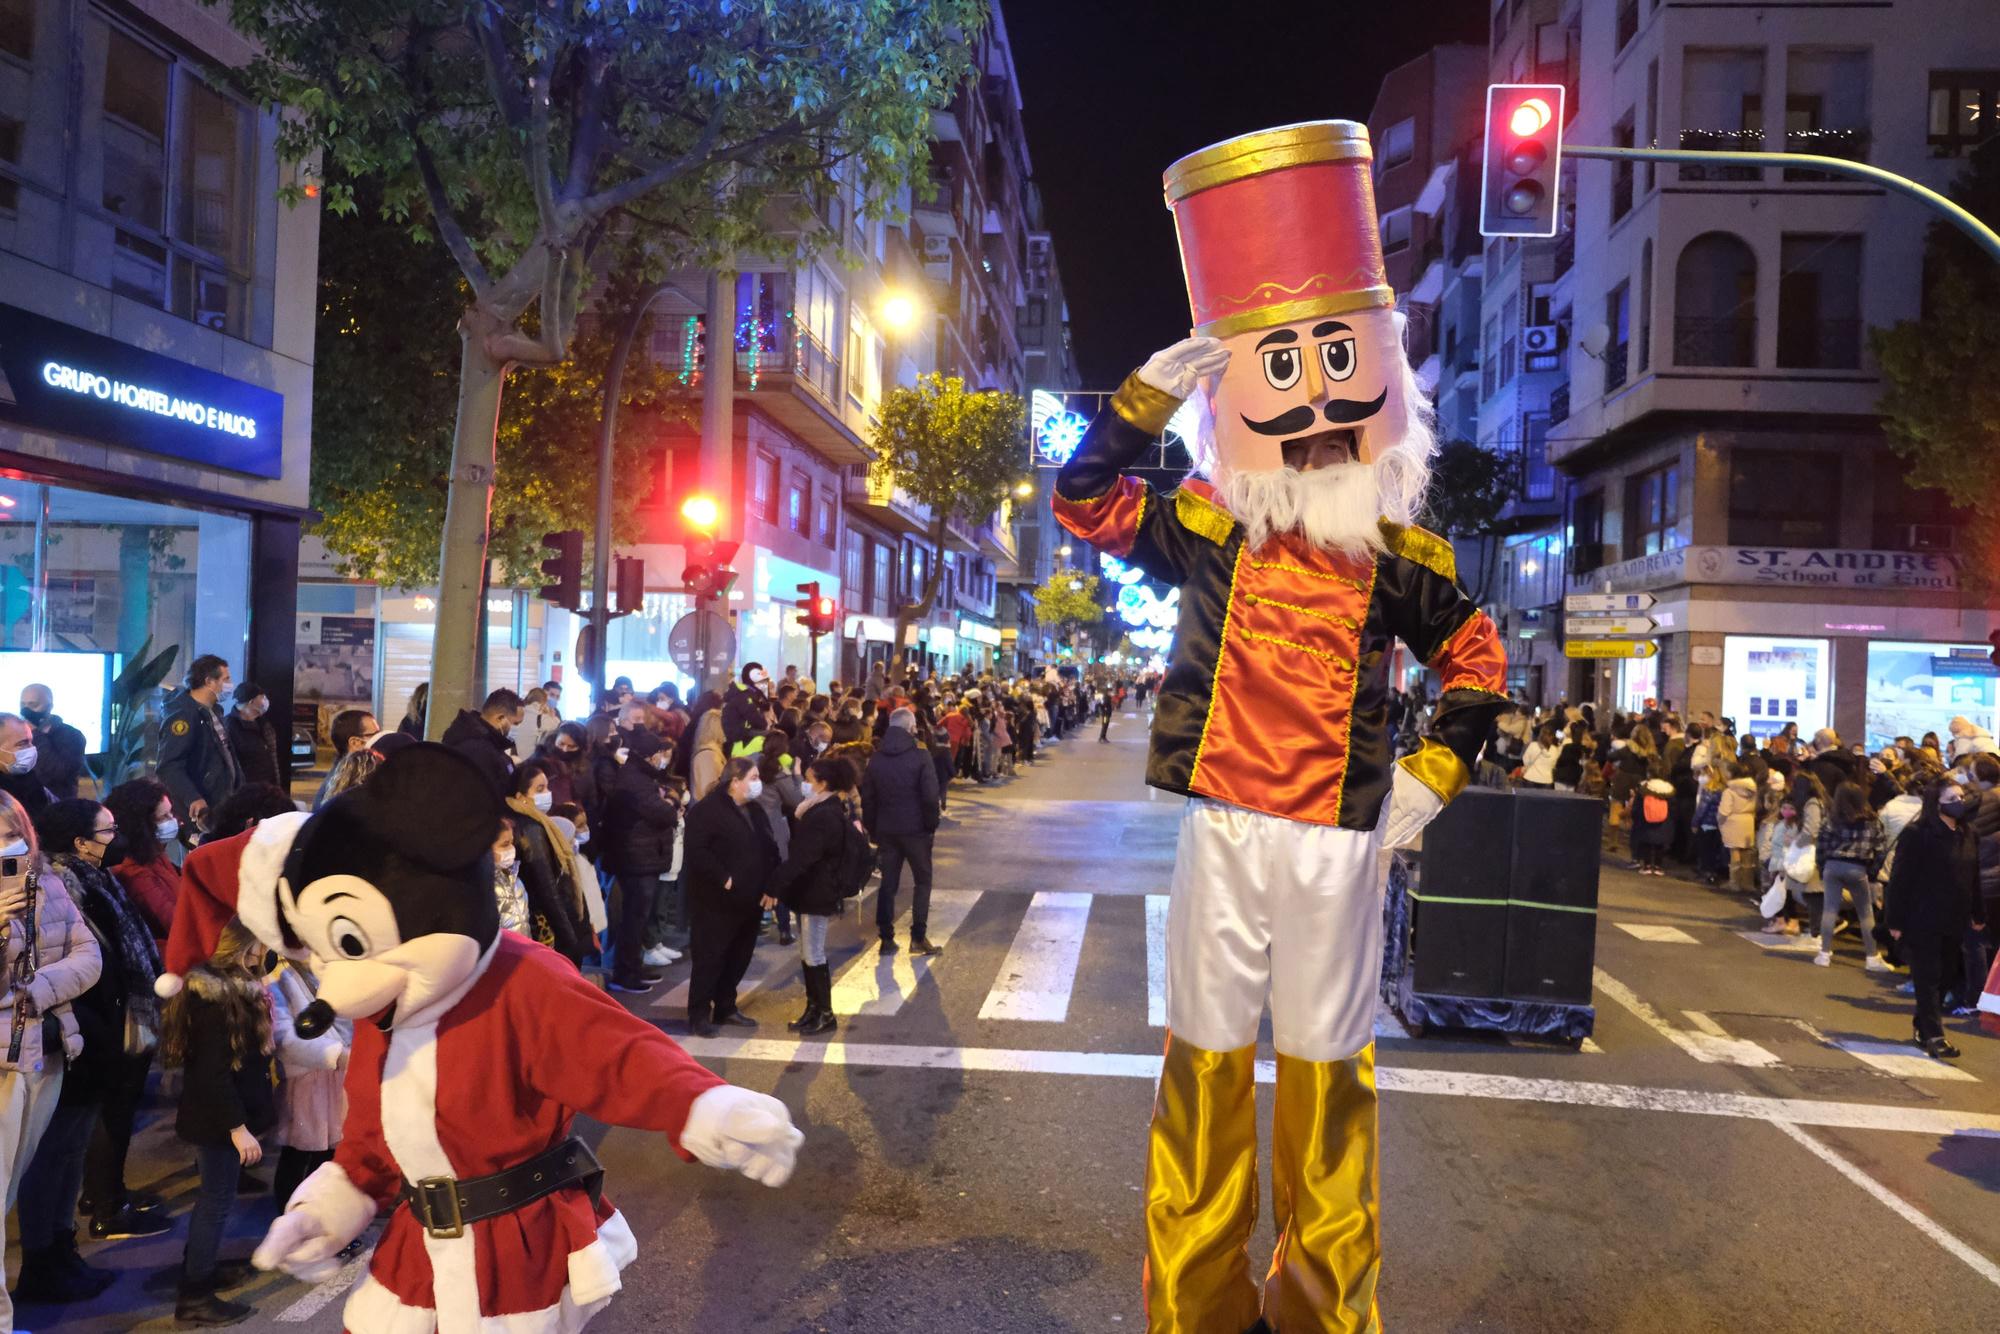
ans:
x=1336 y=508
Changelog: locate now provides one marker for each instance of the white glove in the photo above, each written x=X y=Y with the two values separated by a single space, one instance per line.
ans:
x=299 y=1245
x=746 y=1131
x=1412 y=805
x=1175 y=371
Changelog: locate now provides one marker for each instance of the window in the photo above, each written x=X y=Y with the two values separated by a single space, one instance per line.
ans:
x=1399 y=145
x=798 y=506
x=854 y=571
x=1621 y=172
x=1826 y=107
x=1819 y=302
x=1586 y=532
x=1722 y=107
x=826 y=518
x=882 y=588
x=1646 y=304
x=1036 y=313
x=1489 y=359
x=1652 y=115
x=1618 y=318
x=1628 y=22
x=818 y=329
x=1964 y=109
x=1784 y=498
x=135 y=164
x=764 y=487
x=1652 y=509
x=1510 y=332
x=1715 y=302
x=1538 y=479
x=1395 y=230
x=17 y=28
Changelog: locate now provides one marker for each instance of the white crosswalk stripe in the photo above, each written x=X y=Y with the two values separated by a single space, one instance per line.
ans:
x=1040 y=970
x=873 y=985
x=1156 y=960
x=764 y=965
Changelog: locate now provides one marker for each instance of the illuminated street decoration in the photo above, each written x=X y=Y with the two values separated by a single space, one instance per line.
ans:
x=1060 y=435
x=1117 y=571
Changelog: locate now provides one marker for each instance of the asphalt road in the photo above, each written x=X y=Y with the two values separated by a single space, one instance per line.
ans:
x=1743 y=1145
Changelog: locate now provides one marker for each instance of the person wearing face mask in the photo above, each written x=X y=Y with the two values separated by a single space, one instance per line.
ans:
x=555 y=903
x=58 y=746
x=49 y=958
x=119 y=1022
x=147 y=829
x=565 y=755
x=780 y=798
x=508 y=891
x=728 y=860
x=18 y=757
x=1933 y=893
x=710 y=752
x=197 y=763
x=746 y=709
x=638 y=849
x=252 y=736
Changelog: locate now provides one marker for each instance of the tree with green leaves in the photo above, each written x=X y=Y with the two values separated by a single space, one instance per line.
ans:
x=1470 y=486
x=955 y=451
x=1066 y=601
x=548 y=143
x=386 y=351
x=1940 y=397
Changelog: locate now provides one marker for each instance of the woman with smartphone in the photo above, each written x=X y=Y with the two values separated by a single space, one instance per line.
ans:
x=47 y=958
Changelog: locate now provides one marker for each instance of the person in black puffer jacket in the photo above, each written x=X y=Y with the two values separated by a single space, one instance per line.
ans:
x=746 y=709
x=812 y=880
x=637 y=845
x=1933 y=893
x=899 y=804
x=728 y=857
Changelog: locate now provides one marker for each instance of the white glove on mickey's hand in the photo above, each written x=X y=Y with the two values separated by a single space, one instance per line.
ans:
x=747 y=1131
x=1412 y=805
x=1176 y=371
x=300 y=1246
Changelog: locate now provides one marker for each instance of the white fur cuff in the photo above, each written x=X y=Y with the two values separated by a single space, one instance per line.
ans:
x=342 y=1209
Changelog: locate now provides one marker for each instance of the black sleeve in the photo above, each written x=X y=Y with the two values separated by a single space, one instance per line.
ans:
x=1124 y=515
x=208 y=1079
x=808 y=849
x=1425 y=608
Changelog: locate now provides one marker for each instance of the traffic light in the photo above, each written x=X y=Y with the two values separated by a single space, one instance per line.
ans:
x=630 y=584
x=1520 y=180
x=706 y=573
x=564 y=569
x=820 y=615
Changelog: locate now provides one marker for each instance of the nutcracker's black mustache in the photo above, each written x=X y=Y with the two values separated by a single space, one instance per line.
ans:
x=1340 y=412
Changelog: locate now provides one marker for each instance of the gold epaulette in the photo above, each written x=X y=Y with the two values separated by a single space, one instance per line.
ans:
x=1422 y=546
x=1202 y=516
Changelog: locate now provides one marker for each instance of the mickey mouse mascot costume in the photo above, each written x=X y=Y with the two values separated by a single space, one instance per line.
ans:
x=1299 y=565
x=473 y=1050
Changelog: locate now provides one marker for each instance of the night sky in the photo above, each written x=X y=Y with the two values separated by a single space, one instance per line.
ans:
x=1115 y=90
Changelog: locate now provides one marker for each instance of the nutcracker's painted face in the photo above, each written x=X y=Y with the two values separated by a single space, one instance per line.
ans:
x=390 y=888
x=1318 y=427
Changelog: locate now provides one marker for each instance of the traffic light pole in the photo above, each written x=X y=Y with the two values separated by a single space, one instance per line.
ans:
x=1988 y=240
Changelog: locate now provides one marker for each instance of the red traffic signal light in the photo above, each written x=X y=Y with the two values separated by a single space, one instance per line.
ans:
x=819 y=615
x=1521 y=171
x=701 y=512
x=564 y=569
x=707 y=573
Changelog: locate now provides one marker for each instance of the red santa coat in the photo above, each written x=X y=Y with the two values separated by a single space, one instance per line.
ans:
x=492 y=1080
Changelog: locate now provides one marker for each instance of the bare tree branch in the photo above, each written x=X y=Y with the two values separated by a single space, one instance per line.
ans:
x=448 y=227
x=648 y=181
x=526 y=116
x=587 y=124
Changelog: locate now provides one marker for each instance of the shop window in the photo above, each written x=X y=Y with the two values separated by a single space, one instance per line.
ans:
x=1652 y=511
x=105 y=574
x=1964 y=108
x=764 y=487
x=1819 y=302
x=1784 y=498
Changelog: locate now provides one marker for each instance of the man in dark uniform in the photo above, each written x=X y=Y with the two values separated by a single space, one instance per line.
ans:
x=197 y=763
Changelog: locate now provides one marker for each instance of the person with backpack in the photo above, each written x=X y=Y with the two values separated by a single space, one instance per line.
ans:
x=1851 y=847
x=828 y=862
x=1652 y=825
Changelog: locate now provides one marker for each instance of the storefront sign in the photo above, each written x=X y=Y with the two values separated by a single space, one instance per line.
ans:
x=57 y=377
x=941 y=640
x=1803 y=567
x=979 y=634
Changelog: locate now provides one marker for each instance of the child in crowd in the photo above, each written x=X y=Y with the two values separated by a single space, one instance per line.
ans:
x=311 y=1103
x=507 y=890
x=219 y=1031
x=1652 y=824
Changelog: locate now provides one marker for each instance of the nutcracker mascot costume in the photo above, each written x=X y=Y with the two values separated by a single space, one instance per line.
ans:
x=474 y=1049
x=1299 y=565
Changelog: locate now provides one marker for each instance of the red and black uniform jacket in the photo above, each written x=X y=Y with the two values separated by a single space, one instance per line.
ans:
x=1277 y=695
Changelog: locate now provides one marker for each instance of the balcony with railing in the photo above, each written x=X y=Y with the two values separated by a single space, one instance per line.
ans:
x=1850 y=145
x=1722 y=141
x=1559 y=403
x=782 y=368
x=1715 y=340
x=1617 y=364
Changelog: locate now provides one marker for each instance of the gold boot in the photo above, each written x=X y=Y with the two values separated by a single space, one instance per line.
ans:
x=1201 y=1192
x=1326 y=1195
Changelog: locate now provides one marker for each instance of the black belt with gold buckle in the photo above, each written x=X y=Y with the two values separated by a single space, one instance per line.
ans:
x=444 y=1205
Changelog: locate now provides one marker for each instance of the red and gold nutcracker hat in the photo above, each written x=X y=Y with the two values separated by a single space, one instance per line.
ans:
x=1279 y=226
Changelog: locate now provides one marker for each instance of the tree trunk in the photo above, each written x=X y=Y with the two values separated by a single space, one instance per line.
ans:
x=908 y=613
x=467 y=510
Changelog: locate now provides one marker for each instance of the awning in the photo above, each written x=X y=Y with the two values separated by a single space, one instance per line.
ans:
x=1431 y=198
x=1429 y=287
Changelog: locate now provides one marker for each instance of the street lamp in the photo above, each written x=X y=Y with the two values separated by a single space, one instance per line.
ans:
x=898 y=312
x=1024 y=490
x=1063 y=552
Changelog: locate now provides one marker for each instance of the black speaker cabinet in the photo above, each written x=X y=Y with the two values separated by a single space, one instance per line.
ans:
x=1459 y=922
x=1552 y=913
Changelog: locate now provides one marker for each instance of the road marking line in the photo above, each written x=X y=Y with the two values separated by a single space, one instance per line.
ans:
x=1040 y=969
x=1395 y=1079
x=873 y=985
x=1658 y=935
x=321 y=1295
x=1909 y=1213
x=764 y=965
x=1707 y=1047
x=1156 y=960
x=1590 y=1048
x=1898 y=1059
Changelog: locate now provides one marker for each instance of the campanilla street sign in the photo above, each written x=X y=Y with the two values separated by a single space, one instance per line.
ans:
x=1607 y=627
x=1608 y=602
x=1610 y=648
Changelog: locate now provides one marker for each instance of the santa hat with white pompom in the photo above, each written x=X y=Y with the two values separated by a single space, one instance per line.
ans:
x=231 y=877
